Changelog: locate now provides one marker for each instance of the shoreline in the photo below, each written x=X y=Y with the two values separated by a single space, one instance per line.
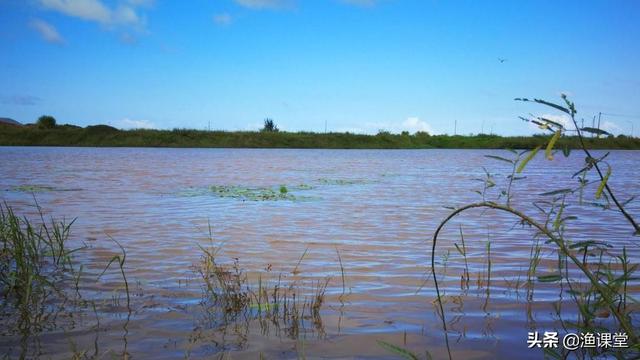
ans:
x=106 y=136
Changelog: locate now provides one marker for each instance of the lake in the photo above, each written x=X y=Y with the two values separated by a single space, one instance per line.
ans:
x=298 y=215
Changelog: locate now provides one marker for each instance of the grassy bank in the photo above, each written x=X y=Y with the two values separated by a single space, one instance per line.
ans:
x=102 y=135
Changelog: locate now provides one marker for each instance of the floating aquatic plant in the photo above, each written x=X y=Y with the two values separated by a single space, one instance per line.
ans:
x=33 y=188
x=246 y=193
x=251 y=194
x=325 y=181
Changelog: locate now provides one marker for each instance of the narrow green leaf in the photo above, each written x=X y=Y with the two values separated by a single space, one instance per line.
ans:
x=549 y=278
x=397 y=350
x=499 y=158
x=558 y=125
x=552 y=142
x=566 y=150
x=588 y=243
x=555 y=106
x=556 y=192
x=603 y=183
x=459 y=249
x=526 y=160
x=557 y=221
x=595 y=131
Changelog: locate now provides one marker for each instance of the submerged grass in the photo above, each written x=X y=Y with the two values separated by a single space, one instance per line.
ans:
x=34 y=262
x=41 y=285
x=230 y=297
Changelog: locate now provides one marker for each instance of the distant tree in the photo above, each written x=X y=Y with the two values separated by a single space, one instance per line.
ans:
x=269 y=126
x=46 y=122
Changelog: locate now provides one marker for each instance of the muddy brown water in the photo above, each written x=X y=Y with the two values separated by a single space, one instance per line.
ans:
x=379 y=208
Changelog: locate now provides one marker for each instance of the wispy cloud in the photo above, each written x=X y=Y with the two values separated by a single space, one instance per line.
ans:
x=47 y=31
x=127 y=123
x=265 y=4
x=361 y=3
x=125 y=13
x=91 y=10
x=611 y=127
x=128 y=39
x=22 y=100
x=222 y=19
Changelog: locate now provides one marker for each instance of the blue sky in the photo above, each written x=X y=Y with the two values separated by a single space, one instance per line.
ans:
x=356 y=65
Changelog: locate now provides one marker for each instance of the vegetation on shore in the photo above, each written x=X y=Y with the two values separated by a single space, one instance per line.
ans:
x=107 y=136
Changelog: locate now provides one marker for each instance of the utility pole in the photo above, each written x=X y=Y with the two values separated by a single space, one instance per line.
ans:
x=209 y=125
x=482 y=128
x=455 y=127
x=325 y=126
x=599 y=115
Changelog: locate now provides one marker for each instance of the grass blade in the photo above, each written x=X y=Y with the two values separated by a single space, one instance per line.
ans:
x=397 y=350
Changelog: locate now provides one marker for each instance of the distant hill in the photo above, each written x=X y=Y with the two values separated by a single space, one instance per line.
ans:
x=7 y=121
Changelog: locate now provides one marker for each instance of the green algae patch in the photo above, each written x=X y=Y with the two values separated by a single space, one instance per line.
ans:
x=302 y=187
x=252 y=193
x=325 y=181
x=33 y=188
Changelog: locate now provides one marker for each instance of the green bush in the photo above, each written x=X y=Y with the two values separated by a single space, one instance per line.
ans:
x=46 y=122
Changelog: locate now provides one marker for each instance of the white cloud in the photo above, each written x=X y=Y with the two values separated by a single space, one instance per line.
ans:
x=362 y=3
x=127 y=123
x=352 y=130
x=412 y=124
x=141 y=2
x=47 y=31
x=610 y=127
x=264 y=4
x=124 y=14
x=91 y=10
x=222 y=19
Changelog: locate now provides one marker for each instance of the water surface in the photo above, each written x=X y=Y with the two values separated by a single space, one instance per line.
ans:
x=378 y=208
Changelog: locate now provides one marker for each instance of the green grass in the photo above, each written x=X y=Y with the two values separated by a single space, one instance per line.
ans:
x=230 y=297
x=103 y=136
x=591 y=276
